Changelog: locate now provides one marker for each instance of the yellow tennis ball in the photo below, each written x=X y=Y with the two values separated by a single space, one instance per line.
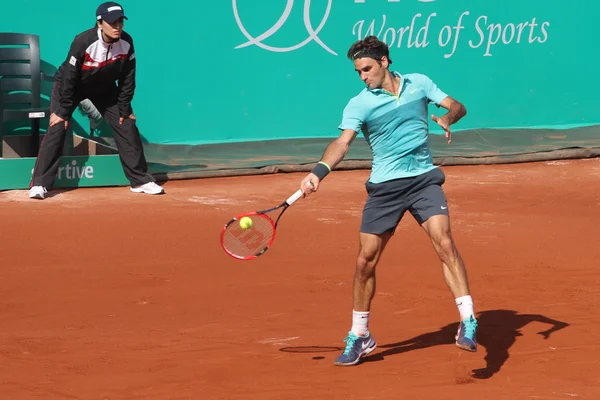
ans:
x=246 y=222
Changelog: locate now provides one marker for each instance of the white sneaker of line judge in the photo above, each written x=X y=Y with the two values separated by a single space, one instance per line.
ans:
x=37 y=192
x=149 y=188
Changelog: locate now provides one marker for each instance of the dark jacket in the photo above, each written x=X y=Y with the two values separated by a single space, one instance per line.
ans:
x=91 y=69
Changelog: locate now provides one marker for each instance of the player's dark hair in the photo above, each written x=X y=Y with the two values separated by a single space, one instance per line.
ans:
x=370 y=47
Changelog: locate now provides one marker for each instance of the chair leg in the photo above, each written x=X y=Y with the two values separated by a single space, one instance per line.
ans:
x=35 y=137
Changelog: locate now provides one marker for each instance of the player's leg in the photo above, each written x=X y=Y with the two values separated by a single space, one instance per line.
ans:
x=430 y=208
x=48 y=158
x=359 y=341
x=455 y=272
x=383 y=210
x=129 y=146
x=370 y=250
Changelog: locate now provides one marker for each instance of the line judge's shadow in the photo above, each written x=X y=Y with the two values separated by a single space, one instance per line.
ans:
x=497 y=331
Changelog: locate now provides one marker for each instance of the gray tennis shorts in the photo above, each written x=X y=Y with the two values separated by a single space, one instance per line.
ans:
x=422 y=195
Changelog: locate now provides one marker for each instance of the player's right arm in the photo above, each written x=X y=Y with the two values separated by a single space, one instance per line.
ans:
x=333 y=155
x=337 y=150
x=353 y=119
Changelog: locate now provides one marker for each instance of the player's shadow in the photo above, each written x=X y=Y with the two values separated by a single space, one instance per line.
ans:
x=497 y=331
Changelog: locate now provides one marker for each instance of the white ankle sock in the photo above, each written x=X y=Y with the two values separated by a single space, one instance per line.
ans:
x=465 y=307
x=360 y=322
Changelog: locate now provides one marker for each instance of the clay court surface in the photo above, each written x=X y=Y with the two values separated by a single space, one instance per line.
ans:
x=106 y=294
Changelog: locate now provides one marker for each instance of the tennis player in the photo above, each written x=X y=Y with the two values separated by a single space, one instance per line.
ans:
x=392 y=113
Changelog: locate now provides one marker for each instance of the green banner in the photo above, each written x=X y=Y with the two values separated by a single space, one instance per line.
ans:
x=241 y=70
x=80 y=171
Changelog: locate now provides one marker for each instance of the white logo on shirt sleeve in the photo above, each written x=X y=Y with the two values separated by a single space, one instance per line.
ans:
x=73 y=61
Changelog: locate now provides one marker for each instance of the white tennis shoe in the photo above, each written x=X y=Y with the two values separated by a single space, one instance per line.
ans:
x=148 y=188
x=37 y=192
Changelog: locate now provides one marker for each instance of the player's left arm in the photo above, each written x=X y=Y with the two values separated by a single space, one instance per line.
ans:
x=456 y=110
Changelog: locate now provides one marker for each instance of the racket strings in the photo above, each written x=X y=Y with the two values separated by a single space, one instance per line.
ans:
x=248 y=242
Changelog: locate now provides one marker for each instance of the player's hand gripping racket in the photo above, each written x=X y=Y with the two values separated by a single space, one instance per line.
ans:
x=245 y=243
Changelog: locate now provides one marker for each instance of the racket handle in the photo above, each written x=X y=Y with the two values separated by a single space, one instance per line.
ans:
x=294 y=197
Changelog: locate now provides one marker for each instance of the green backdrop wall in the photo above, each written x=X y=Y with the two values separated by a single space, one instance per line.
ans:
x=241 y=70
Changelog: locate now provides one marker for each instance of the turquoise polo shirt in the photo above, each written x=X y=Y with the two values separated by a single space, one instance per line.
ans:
x=395 y=127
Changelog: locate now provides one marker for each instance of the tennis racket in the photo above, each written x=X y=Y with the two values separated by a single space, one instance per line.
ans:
x=246 y=244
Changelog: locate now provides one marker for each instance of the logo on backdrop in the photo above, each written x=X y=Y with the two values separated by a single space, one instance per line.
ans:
x=312 y=33
x=448 y=30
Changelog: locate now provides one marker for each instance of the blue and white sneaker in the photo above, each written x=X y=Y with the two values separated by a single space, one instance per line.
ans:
x=356 y=347
x=466 y=338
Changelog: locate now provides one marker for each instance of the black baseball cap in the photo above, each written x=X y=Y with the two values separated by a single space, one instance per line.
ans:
x=110 y=12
